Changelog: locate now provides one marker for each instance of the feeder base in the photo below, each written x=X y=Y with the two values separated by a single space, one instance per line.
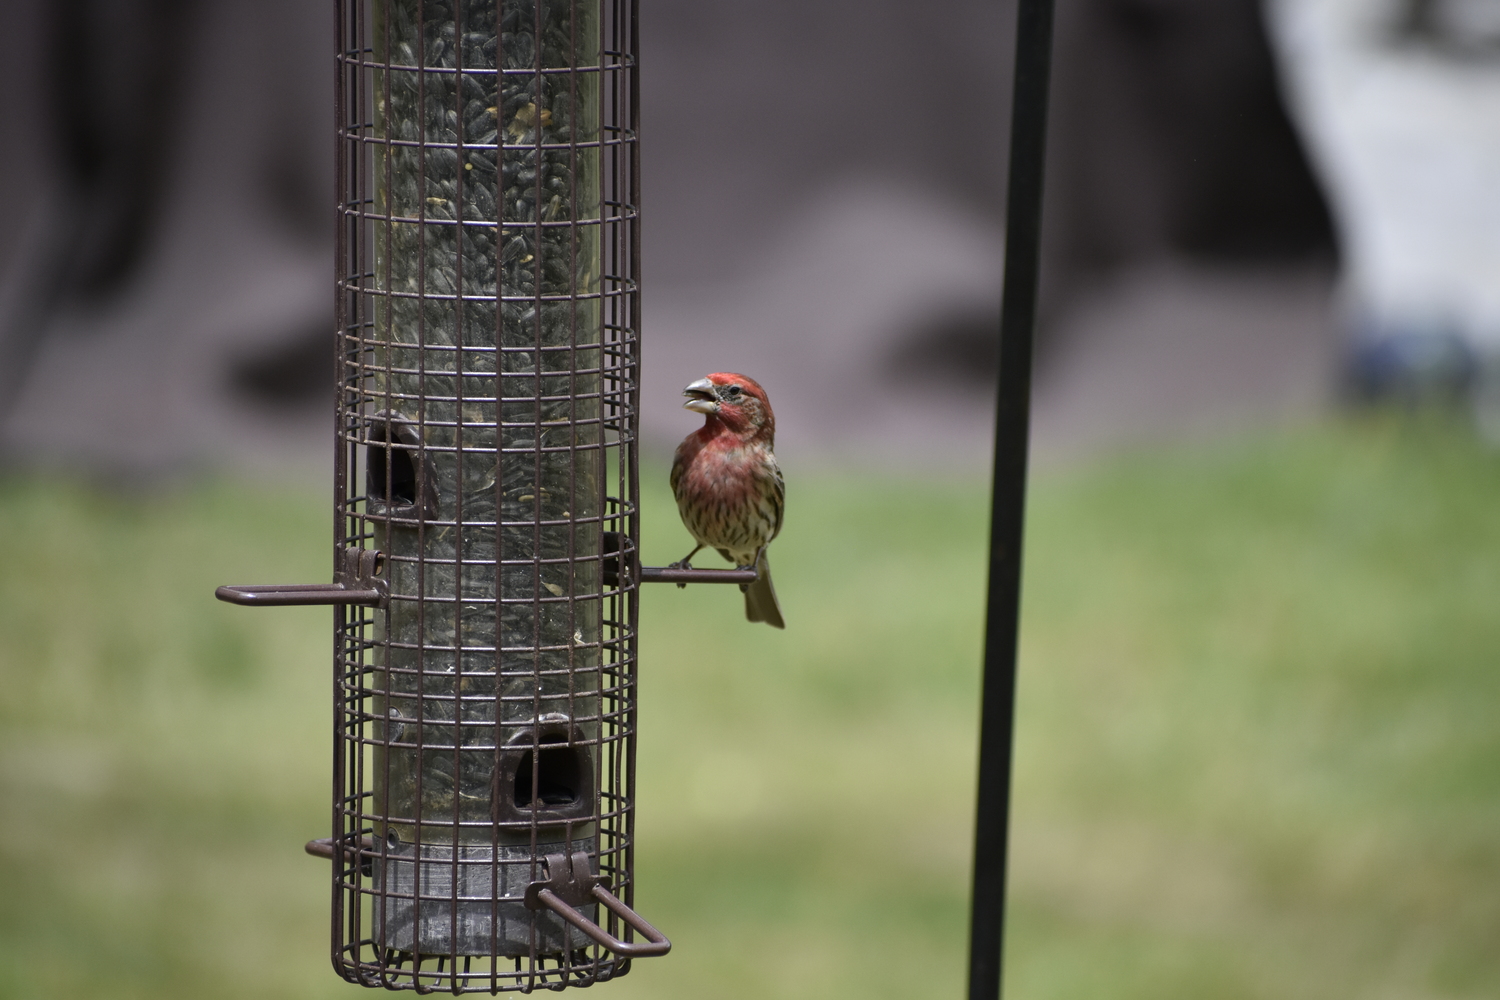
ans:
x=486 y=916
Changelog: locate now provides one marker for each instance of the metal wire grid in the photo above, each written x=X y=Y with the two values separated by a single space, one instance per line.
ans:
x=488 y=309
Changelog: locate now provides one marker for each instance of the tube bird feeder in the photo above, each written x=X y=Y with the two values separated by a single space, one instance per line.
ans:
x=485 y=586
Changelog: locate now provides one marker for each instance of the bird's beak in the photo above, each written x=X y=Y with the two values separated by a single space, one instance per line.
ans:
x=700 y=396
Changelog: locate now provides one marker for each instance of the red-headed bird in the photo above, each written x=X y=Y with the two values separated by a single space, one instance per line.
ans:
x=728 y=487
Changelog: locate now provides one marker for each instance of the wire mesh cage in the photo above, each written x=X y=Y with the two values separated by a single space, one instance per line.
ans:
x=486 y=499
x=487 y=311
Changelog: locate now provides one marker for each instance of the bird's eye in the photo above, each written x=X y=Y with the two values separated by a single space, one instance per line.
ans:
x=734 y=390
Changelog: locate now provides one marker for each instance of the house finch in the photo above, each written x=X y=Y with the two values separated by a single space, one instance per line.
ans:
x=728 y=486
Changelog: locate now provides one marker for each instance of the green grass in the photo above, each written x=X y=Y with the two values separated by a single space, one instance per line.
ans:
x=1258 y=754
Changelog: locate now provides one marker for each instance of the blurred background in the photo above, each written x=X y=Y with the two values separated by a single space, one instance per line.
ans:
x=1256 y=740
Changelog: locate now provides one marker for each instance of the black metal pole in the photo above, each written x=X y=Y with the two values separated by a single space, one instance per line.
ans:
x=1023 y=230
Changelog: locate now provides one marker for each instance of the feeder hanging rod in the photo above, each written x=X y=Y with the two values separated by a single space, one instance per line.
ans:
x=1023 y=230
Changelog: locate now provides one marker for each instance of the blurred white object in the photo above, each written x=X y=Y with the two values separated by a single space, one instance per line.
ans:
x=1399 y=103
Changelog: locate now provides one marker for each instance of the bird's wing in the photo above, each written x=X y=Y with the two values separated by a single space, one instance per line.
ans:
x=778 y=492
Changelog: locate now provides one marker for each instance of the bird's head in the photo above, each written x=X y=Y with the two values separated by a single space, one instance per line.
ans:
x=737 y=401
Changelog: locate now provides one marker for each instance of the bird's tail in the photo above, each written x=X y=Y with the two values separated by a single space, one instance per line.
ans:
x=760 y=597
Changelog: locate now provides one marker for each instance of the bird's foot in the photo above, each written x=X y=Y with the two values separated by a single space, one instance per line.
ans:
x=686 y=563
